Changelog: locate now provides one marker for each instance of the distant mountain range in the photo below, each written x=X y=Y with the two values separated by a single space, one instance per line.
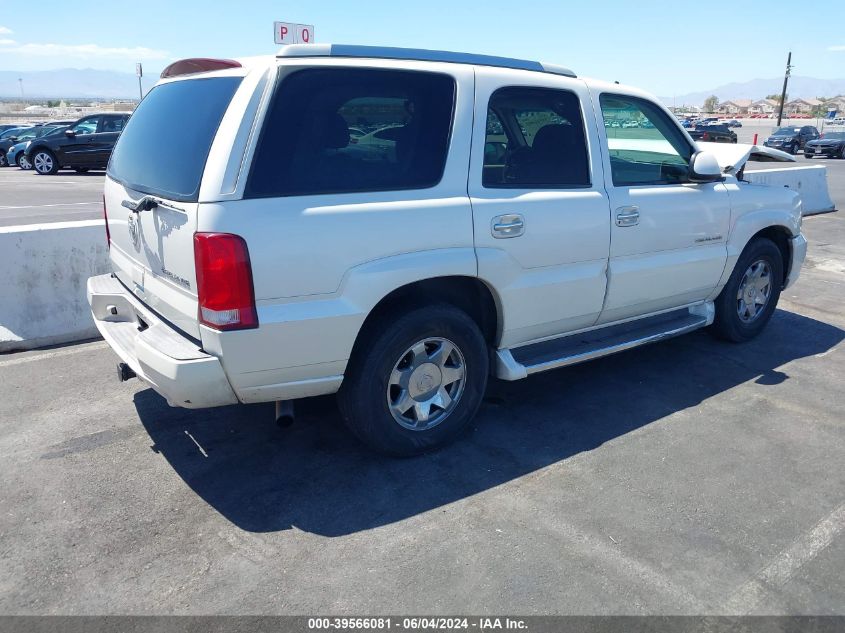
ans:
x=760 y=88
x=72 y=83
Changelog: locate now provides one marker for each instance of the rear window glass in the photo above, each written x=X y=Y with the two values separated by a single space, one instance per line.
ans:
x=164 y=145
x=345 y=130
x=535 y=138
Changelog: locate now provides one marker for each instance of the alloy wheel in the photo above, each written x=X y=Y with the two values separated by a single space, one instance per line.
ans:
x=43 y=163
x=754 y=291
x=426 y=383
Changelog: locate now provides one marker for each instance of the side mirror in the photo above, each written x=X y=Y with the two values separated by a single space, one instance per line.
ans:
x=703 y=167
x=70 y=133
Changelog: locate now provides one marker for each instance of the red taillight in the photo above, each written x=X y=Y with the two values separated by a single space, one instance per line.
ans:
x=224 y=282
x=106 y=218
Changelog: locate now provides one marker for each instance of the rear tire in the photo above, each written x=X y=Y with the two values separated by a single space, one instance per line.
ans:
x=45 y=162
x=748 y=300
x=4 y=162
x=415 y=381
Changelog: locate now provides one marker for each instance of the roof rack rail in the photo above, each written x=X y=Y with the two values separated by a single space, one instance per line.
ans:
x=418 y=54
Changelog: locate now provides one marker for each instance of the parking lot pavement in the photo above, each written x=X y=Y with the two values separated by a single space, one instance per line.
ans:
x=686 y=477
x=27 y=198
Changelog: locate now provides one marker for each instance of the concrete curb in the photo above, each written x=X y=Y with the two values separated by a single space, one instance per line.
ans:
x=43 y=272
x=809 y=180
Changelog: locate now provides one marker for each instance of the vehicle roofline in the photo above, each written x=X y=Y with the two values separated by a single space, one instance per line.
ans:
x=419 y=54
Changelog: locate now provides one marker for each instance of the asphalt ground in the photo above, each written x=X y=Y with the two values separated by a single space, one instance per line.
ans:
x=691 y=476
x=27 y=198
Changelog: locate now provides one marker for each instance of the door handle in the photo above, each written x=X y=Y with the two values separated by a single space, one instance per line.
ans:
x=508 y=225
x=627 y=216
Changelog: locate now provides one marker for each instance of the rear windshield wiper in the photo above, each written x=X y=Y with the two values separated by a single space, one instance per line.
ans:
x=147 y=203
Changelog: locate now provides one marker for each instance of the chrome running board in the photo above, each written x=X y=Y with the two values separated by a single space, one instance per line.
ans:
x=516 y=363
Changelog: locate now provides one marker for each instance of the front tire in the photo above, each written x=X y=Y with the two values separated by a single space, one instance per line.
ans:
x=415 y=382
x=23 y=163
x=4 y=162
x=45 y=162
x=748 y=300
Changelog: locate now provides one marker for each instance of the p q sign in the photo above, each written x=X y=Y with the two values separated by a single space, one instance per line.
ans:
x=290 y=33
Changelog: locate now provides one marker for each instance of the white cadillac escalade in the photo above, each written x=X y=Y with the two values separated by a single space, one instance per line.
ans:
x=396 y=225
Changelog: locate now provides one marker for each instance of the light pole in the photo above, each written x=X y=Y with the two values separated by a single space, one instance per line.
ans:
x=20 y=83
x=783 y=92
x=139 y=70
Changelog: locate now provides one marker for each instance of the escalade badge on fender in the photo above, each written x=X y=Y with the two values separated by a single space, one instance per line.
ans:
x=134 y=233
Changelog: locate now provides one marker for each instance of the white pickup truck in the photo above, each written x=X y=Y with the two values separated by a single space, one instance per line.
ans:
x=396 y=225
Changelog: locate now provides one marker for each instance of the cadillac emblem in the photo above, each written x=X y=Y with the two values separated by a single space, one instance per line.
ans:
x=134 y=233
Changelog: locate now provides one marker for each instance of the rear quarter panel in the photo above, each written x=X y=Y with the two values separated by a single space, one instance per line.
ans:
x=321 y=262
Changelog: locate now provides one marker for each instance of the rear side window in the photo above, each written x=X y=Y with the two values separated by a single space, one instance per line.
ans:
x=342 y=130
x=164 y=145
x=535 y=138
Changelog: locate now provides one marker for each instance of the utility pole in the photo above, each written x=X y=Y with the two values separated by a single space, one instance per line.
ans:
x=783 y=92
x=20 y=83
x=139 y=70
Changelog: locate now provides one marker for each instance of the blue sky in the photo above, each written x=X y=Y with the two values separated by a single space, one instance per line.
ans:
x=650 y=44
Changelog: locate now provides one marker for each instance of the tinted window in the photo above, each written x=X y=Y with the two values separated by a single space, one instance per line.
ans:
x=646 y=146
x=11 y=132
x=85 y=126
x=401 y=121
x=112 y=124
x=165 y=143
x=535 y=138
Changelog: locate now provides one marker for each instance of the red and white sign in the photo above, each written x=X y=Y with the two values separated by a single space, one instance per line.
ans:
x=290 y=33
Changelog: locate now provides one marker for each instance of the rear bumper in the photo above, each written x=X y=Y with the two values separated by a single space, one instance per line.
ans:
x=799 y=253
x=172 y=364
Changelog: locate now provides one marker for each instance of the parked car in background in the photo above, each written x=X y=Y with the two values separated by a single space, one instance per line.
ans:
x=733 y=123
x=831 y=144
x=792 y=138
x=17 y=153
x=713 y=133
x=9 y=138
x=8 y=126
x=86 y=144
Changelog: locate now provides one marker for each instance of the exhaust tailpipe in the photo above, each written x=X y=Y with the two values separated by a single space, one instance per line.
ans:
x=125 y=372
x=284 y=413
